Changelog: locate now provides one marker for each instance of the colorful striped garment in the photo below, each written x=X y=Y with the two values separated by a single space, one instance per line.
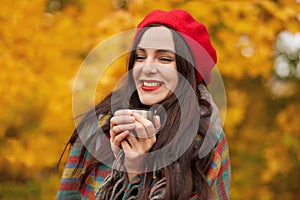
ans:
x=218 y=177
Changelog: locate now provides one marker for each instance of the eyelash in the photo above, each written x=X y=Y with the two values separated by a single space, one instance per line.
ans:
x=166 y=59
x=163 y=59
x=138 y=57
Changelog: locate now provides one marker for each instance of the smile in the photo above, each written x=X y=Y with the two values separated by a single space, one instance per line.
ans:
x=151 y=85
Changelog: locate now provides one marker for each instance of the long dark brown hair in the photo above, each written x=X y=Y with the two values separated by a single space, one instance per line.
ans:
x=187 y=174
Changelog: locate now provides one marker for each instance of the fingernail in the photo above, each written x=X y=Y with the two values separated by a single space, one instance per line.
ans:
x=131 y=119
x=130 y=111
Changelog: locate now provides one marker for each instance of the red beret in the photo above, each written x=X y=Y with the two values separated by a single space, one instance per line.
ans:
x=194 y=33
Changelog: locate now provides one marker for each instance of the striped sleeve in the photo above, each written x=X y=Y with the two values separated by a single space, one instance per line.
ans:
x=95 y=181
x=219 y=174
x=69 y=188
x=69 y=184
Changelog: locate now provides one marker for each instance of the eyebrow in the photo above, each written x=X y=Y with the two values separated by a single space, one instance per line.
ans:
x=158 y=50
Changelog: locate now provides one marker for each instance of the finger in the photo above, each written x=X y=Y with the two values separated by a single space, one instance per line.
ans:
x=121 y=119
x=123 y=127
x=141 y=119
x=113 y=132
x=123 y=112
x=119 y=138
x=133 y=142
x=141 y=145
x=126 y=146
x=140 y=130
x=156 y=121
x=147 y=125
x=130 y=152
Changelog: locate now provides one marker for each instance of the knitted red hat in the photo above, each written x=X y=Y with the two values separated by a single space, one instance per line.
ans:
x=194 y=33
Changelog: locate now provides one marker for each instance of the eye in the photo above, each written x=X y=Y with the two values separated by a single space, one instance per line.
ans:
x=166 y=59
x=140 y=57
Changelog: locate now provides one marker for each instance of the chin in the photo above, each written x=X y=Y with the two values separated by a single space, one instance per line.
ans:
x=151 y=99
x=148 y=102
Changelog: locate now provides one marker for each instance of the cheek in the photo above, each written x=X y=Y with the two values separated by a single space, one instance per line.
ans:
x=174 y=82
x=171 y=75
x=135 y=73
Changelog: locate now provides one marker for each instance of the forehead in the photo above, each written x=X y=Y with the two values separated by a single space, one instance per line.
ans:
x=157 y=38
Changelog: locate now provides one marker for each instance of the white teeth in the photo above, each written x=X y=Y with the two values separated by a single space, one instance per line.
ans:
x=150 y=84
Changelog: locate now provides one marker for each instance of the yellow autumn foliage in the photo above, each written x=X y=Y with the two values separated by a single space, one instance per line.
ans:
x=43 y=44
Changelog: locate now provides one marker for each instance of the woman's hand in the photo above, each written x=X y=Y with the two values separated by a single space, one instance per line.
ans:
x=135 y=134
x=137 y=145
x=121 y=123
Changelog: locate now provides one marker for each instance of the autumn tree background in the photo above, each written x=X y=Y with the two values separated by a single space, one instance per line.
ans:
x=43 y=43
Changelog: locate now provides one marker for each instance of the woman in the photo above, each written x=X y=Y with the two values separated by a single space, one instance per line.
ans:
x=162 y=157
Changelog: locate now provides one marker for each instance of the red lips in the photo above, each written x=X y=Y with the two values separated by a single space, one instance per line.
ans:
x=151 y=85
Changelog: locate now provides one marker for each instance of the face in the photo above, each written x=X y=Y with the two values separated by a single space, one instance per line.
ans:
x=155 y=71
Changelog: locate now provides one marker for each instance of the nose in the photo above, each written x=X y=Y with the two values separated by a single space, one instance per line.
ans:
x=150 y=66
